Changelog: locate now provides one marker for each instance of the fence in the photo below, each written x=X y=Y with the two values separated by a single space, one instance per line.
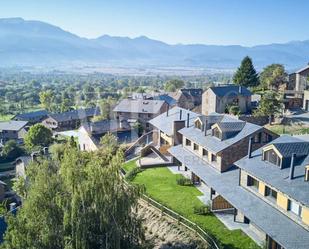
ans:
x=207 y=238
x=184 y=221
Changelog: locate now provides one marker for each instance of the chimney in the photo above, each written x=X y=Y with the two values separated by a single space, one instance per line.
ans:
x=239 y=89
x=180 y=114
x=205 y=129
x=250 y=147
x=168 y=107
x=292 y=167
x=188 y=117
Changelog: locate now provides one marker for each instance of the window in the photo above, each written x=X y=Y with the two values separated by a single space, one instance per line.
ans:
x=198 y=124
x=294 y=208
x=252 y=182
x=272 y=157
x=195 y=147
x=270 y=193
x=307 y=174
x=205 y=152
x=217 y=133
x=188 y=142
x=213 y=158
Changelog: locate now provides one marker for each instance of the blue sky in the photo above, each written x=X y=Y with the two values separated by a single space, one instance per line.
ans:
x=244 y=22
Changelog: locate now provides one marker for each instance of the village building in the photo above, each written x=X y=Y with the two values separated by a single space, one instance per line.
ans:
x=218 y=99
x=139 y=111
x=12 y=130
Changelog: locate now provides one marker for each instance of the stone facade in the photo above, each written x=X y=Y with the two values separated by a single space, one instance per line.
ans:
x=213 y=103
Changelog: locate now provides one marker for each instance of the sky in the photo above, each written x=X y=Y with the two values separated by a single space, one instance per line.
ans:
x=220 y=22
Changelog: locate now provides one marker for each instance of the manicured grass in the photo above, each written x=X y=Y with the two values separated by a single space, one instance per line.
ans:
x=288 y=129
x=161 y=185
x=128 y=166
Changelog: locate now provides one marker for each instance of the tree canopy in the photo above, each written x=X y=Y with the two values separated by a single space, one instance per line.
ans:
x=246 y=74
x=79 y=201
x=173 y=85
x=270 y=104
x=273 y=76
x=11 y=150
x=38 y=136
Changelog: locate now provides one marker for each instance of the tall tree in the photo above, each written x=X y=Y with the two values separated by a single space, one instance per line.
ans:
x=77 y=202
x=38 y=136
x=270 y=105
x=46 y=99
x=246 y=74
x=273 y=76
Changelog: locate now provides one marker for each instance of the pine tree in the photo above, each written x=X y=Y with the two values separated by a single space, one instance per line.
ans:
x=246 y=74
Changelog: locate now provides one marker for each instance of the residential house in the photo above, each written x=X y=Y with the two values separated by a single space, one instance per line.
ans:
x=217 y=99
x=209 y=150
x=12 y=130
x=89 y=134
x=70 y=120
x=167 y=125
x=31 y=117
x=139 y=110
x=296 y=94
x=187 y=98
x=298 y=81
x=275 y=179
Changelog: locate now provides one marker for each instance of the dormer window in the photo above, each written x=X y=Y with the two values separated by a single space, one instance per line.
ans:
x=271 y=155
x=198 y=124
x=216 y=132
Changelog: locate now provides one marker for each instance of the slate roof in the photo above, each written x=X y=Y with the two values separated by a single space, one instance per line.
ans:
x=139 y=106
x=281 y=228
x=75 y=114
x=271 y=174
x=165 y=123
x=31 y=115
x=105 y=126
x=302 y=69
x=167 y=98
x=12 y=125
x=230 y=91
x=286 y=149
x=214 y=144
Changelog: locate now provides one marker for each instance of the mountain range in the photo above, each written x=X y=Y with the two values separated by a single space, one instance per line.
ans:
x=35 y=43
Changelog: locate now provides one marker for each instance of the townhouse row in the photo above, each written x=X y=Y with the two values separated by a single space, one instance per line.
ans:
x=261 y=179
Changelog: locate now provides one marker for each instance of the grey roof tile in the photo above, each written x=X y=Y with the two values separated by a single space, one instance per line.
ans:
x=139 y=106
x=232 y=90
x=281 y=228
x=12 y=125
x=165 y=123
x=214 y=144
x=271 y=174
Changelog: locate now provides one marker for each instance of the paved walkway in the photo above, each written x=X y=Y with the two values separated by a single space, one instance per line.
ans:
x=226 y=218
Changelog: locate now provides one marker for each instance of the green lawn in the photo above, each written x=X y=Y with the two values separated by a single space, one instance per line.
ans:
x=128 y=166
x=161 y=185
x=288 y=129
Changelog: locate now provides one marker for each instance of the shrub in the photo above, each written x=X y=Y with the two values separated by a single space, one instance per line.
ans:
x=184 y=182
x=202 y=210
x=132 y=173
